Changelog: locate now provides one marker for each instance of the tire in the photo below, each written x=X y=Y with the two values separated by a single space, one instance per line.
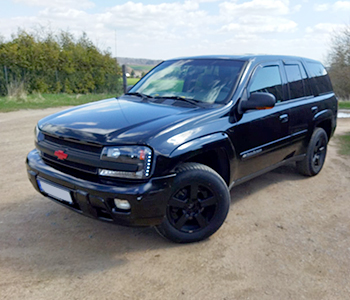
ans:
x=198 y=204
x=316 y=152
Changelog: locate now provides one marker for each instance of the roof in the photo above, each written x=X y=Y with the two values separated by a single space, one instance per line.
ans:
x=247 y=57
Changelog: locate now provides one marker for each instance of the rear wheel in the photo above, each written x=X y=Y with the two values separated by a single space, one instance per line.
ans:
x=198 y=204
x=316 y=154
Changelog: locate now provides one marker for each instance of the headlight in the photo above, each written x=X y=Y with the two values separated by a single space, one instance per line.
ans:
x=134 y=162
x=36 y=133
x=38 y=136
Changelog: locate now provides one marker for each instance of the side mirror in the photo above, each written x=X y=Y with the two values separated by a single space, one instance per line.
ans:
x=259 y=101
x=129 y=88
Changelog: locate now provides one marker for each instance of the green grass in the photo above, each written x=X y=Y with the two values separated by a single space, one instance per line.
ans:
x=344 y=142
x=344 y=104
x=38 y=101
x=132 y=81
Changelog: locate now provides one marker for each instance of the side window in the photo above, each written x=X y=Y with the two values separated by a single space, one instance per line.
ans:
x=295 y=81
x=320 y=79
x=268 y=80
x=307 y=86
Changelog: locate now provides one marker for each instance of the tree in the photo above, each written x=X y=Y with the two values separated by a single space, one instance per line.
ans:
x=339 y=63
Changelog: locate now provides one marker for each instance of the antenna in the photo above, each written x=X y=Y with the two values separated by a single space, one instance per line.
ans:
x=115 y=43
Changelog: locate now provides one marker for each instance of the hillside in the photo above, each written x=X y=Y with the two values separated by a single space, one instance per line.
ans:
x=137 y=67
x=137 y=61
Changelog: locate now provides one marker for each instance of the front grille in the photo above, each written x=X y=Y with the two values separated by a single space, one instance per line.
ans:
x=73 y=144
x=77 y=166
x=82 y=161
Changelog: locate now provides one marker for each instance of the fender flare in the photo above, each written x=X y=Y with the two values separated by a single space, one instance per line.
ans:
x=326 y=115
x=218 y=142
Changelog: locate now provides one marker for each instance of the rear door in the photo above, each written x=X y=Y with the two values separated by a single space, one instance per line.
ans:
x=301 y=102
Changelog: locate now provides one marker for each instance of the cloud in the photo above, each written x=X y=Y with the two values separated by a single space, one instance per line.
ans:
x=255 y=7
x=257 y=16
x=260 y=24
x=341 y=5
x=335 y=7
x=321 y=7
x=324 y=29
x=83 y=4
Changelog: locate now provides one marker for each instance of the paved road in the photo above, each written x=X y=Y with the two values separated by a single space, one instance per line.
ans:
x=286 y=237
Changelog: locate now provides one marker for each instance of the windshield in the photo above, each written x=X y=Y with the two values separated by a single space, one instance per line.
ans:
x=202 y=80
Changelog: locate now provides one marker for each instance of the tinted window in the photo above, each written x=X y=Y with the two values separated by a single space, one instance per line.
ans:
x=320 y=79
x=307 y=87
x=295 y=81
x=268 y=80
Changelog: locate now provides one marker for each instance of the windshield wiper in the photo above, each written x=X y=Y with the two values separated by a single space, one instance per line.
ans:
x=143 y=96
x=192 y=101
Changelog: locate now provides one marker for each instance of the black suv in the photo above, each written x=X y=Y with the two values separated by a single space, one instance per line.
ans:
x=167 y=152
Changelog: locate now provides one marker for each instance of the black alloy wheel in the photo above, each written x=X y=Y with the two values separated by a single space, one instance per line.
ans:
x=198 y=205
x=192 y=207
x=316 y=154
x=319 y=154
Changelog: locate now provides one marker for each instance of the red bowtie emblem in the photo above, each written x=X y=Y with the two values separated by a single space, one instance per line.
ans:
x=61 y=155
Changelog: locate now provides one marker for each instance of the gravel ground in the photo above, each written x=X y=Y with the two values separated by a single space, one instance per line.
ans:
x=286 y=237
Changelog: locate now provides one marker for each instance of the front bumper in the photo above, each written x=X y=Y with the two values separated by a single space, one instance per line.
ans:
x=148 y=200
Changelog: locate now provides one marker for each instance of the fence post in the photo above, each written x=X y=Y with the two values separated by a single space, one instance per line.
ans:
x=125 y=84
x=6 y=76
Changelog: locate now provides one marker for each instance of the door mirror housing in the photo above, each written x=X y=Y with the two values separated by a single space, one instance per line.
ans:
x=258 y=101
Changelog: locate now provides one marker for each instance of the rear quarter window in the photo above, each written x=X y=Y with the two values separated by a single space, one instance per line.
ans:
x=319 y=78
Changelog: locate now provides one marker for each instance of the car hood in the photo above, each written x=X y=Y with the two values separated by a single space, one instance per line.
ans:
x=115 y=121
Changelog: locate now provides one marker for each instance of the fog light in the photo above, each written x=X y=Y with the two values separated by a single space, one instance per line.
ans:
x=122 y=204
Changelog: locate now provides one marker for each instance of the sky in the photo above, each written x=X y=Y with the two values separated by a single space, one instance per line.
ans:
x=160 y=29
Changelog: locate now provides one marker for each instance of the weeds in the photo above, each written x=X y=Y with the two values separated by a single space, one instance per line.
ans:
x=16 y=91
x=344 y=142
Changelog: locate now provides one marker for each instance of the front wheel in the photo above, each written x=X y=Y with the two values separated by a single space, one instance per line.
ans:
x=198 y=204
x=315 y=155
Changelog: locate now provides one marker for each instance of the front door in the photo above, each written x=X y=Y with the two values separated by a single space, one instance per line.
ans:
x=260 y=136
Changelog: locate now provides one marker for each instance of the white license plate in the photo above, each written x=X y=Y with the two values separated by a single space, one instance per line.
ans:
x=55 y=191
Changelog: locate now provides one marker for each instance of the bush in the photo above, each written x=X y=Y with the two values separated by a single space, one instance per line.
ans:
x=49 y=63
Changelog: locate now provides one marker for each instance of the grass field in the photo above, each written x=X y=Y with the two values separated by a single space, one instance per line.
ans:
x=37 y=101
x=344 y=104
x=132 y=81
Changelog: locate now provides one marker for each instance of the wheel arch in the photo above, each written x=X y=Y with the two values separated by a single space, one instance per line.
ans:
x=214 y=150
x=325 y=120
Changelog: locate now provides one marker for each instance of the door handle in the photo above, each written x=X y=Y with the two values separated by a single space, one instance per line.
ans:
x=284 y=118
x=314 y=109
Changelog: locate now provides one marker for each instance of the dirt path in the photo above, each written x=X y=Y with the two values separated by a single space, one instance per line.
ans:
x=286 y=237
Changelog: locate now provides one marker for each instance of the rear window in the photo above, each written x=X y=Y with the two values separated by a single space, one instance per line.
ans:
x=319 y=78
